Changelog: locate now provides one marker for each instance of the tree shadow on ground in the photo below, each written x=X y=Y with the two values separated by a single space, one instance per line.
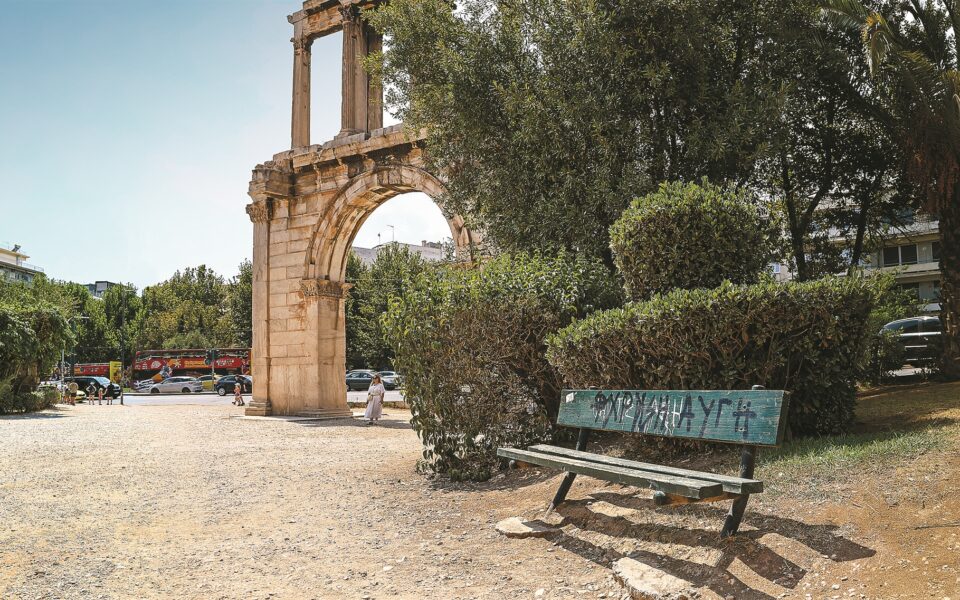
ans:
x=50 y=413
x=355 y=422
x=745 y=546
x=900 y=406
x=512 y=480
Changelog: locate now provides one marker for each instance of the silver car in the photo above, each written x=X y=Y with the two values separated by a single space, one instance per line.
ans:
x=176 y=385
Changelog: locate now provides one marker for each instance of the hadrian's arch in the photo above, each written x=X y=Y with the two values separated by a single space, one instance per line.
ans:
x=308 y=203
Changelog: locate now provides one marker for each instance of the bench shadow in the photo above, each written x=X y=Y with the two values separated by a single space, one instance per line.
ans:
x=745 y=546
x=716 y=578
x=822 y=538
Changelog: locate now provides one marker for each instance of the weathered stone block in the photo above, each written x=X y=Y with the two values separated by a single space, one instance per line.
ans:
x=646 y=582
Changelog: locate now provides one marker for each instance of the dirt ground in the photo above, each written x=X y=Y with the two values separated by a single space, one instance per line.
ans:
x=192 y=502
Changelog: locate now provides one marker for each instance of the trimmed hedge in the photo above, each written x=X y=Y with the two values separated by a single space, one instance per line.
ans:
x=471 y=347
x=687 y=236
x=808 y=338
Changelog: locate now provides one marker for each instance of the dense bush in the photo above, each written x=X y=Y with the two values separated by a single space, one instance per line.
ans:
x=471 y=346
x=26 y=401
x=689 y=236
x=32 y=334
x=807 y=338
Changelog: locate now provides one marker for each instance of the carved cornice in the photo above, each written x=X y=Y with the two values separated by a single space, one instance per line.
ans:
x=324 y=288
x=273 y=179
x=260 y=211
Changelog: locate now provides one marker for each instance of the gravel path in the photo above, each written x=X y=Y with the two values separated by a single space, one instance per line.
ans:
x=192 y=502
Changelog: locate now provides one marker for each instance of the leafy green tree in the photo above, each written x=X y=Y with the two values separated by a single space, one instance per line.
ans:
x=189 y=310
x=913 y=48
x=240 y=304
x=356 y=272
x=121 y=304
x=548 y=116
x=390 y=276
x=830 y=171
x=33 y=330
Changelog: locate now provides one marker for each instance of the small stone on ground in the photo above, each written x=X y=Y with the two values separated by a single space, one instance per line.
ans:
x=515 y=527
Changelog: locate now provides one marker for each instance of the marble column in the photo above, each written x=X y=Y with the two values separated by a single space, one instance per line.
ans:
x=354 y=90
x=374 y=103
x=300 y=122
x=261 y=212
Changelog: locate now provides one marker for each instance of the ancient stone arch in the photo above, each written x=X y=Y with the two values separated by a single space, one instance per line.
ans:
x=308 y=204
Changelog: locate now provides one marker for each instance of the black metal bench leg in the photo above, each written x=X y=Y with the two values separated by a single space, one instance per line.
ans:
x=569 y=477
x=731 y=524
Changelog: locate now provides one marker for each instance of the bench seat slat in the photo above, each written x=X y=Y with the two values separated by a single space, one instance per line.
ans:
x=733 y=485
x=681 y=486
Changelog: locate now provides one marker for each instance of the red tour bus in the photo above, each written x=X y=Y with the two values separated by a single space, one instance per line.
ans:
x=230 y=361
x=94 y=369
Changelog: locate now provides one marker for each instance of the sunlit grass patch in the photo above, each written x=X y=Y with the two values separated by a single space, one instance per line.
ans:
x=825 y=461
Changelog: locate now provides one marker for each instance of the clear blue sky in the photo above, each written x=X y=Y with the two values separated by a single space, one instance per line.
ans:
x=128 y=130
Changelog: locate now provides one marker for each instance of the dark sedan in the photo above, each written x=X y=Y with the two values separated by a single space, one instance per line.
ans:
x=226 y=385
x=359 y=379
x=98 y=383
x=920 y=338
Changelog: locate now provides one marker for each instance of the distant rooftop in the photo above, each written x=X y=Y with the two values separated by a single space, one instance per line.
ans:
x=10 y=254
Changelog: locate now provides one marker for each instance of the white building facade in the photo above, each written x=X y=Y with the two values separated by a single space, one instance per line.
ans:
x=14 y=265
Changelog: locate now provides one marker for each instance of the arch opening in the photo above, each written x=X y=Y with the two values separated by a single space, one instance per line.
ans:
x=354 y=203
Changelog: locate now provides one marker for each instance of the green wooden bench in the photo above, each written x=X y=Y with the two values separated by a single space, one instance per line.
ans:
x=751 y=418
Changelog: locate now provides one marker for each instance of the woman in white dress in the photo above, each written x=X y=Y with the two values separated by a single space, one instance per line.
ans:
x=375 y=401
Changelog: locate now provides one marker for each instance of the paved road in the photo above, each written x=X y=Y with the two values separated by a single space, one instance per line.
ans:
x=210 y=399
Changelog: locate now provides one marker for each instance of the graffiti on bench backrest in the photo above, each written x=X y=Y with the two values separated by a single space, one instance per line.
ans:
x=745 y=416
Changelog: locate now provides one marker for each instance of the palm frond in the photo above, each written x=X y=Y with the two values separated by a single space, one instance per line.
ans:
x=925 y=76
x=846 y=14
x=878 y=39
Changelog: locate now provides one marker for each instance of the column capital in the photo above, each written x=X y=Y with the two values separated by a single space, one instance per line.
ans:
x=301 y=44
x=349 y=13
x=325 y=288
x=260 y=211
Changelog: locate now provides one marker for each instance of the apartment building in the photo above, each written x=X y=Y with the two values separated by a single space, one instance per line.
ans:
x=912 y=254
x=429 y=251
x=14 y=265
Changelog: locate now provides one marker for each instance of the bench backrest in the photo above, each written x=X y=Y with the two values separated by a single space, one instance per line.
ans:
x=755 y=417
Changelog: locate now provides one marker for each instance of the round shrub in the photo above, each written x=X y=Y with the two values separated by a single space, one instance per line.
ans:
x=807 y=338
x=471 y=346
x=688 y=236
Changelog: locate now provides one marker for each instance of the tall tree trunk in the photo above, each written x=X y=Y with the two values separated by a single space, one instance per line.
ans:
x=866 y=205
x=950 y=284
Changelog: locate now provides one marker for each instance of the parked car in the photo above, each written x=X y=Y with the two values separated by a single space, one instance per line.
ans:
x=391 y=379
x=85 y=381
x=61 y=389
x=208 y=381
x=175 y=385
x=227 y=385
x=143 y=385
x=920 y=337
x=359 y=379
